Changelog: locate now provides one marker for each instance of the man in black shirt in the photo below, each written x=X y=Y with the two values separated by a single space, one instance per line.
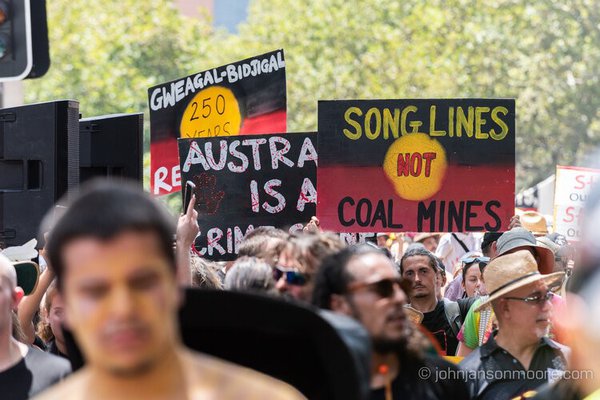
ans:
x=24 y=371
x=362 y=282
x=518 y=357
x=442 y=318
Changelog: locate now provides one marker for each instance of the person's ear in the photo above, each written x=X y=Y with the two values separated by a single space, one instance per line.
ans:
x=339 y=304
x=18 y=295
x=504 y=308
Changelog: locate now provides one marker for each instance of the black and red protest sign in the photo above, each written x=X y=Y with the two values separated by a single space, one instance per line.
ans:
x=444 y=165
x=245 y=182
x=246 y=97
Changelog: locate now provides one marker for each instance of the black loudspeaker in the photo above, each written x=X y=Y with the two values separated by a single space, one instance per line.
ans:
x=39 y=163
x=111 y=146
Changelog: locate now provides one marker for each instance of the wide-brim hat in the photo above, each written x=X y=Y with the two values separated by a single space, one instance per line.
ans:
x=534 y=222
x=513 y=271
x=325 y=356
x=546 y=242
x=28 y=273
x=521 y=237
x=424 y=235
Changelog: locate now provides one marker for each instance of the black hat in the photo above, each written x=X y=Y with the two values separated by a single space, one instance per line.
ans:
x=324 y=356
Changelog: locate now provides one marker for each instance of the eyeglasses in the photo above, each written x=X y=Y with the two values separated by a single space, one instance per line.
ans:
x=292 y=276
x=480 y=260
x=537 y=299
x=384 y=288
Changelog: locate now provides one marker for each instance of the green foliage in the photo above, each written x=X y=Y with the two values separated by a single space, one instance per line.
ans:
x=546 y=54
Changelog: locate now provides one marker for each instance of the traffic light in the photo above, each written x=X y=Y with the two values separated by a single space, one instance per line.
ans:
x=23 y=39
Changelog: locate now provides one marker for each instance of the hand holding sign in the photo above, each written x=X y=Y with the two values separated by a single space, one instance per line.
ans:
x=187 y=226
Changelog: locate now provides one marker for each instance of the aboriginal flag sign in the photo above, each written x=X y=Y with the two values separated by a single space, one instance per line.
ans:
x=427 y=165
x=242 y=183
x=246 y=97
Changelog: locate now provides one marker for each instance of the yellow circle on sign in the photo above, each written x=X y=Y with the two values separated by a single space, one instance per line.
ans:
x=416 y=165
x=212 y=112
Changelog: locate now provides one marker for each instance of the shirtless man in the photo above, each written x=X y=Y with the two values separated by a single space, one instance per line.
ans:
x=113 y=258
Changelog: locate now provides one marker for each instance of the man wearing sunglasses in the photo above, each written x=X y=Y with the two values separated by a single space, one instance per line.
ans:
x=518 y=357
x=362 y=282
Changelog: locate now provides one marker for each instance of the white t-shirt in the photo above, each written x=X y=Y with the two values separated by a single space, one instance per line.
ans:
x=450 y=251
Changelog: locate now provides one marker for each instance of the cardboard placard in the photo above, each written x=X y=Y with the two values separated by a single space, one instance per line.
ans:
x=246 y=182
x=572 y=187
x=428 y=165
x=246 y=97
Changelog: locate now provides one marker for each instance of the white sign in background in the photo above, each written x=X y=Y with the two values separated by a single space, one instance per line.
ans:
x=572 y=187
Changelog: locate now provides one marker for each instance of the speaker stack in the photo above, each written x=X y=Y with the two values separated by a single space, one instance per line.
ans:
x=46 y=152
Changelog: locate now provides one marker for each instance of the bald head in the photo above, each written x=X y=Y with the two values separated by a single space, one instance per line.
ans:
x=7 y=271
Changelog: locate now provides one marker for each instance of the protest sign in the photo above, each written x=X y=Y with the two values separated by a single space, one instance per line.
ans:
x=242 y=183
x=572 y=187
x=246 y=97
x=438 y=165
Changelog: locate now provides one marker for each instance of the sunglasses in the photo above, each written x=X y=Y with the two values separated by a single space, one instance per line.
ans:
x=292 y=276
x=471 y=260
x=384 y=288
x=537 y=299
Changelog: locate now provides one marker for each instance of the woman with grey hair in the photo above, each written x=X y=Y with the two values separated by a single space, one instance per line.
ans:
x=250 y=274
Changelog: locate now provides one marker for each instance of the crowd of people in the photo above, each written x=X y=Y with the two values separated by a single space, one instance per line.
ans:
x=494 y=315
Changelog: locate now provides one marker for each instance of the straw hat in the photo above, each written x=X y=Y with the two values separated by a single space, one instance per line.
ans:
x=534 y=222
x=424 y=235
x=512 y=271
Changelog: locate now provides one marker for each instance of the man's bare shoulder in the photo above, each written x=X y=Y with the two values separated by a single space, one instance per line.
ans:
x=232 y=381
x=206 y=377
x=71 y=388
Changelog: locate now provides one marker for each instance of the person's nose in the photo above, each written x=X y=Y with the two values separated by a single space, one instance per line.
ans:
x=399 y=295
x=547 y=305
x=122 y=302
x=281 y=285
x=417 y=277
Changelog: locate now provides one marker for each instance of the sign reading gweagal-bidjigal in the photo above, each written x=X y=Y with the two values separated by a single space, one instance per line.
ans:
x=426 y=165
x=242 y=98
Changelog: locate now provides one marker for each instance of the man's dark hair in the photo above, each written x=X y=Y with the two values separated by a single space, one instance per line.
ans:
x=104 y=209
x=488 y=239
x=418 y=251
x=333 y=277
